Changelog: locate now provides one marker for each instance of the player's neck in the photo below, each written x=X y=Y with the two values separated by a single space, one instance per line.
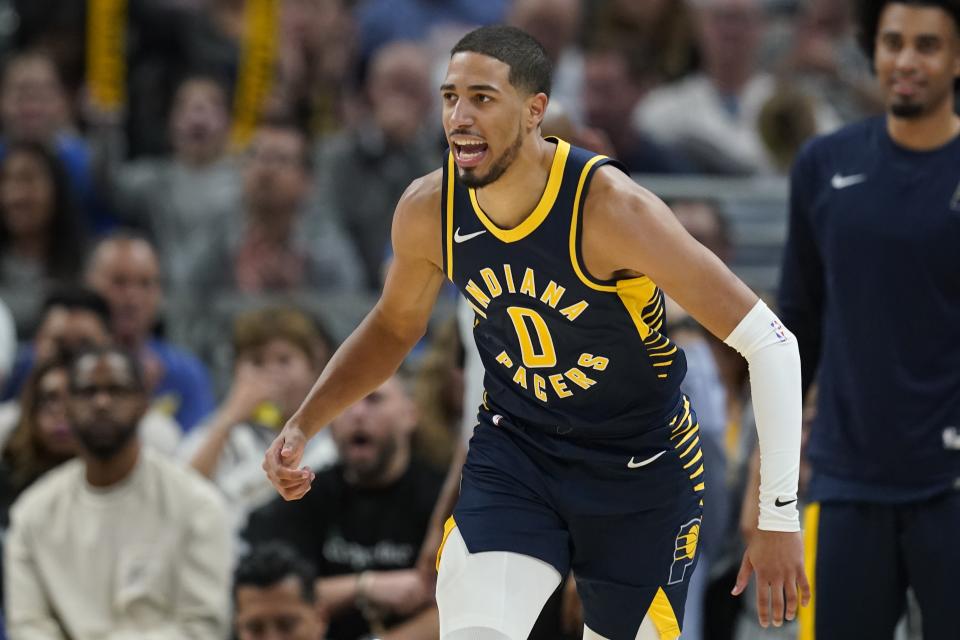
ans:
x=929 y=132
x=510 y=199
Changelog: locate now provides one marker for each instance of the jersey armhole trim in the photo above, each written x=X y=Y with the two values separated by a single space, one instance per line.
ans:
x=448 y=217
x=578 y=268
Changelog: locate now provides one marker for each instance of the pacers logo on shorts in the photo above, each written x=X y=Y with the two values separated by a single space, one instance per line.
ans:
x=684 y=551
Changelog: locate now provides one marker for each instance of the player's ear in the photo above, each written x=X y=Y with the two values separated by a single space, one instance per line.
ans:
x=536 y=109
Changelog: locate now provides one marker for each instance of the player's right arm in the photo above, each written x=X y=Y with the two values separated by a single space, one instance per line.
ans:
x=377 y=347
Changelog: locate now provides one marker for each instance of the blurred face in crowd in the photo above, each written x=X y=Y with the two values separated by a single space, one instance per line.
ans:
x=200 y=121
x=277 y=612
x=399 y=90
x=917 y=58
x=828 y=16
x=644 y=13
x=275 y=178
x=52 y=424
x=106 y=404
x=32 y=102
x=609 y=93
x=485 y=117
x=373 y=431
x=702 y=220
x=26 y=195
x=125 y=271
x=290 y=367
x=67 y=331
x=730 y=32
x=552 y=23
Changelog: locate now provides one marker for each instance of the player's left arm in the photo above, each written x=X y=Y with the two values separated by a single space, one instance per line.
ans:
x=628 y=232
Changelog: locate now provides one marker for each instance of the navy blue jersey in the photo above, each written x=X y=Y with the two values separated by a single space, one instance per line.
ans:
x=562 y=350
x=871 y=288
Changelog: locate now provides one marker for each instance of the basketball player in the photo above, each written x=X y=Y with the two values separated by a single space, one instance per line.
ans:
x=587 y=457
x=871 y=287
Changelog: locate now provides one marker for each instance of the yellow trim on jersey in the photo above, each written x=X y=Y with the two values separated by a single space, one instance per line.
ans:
x=450 y=178
x=448 y=527
x=663 y=617
x=574 y=260
x=636 y=294
x=811 y=526
x=539 y=214
x=573 y=229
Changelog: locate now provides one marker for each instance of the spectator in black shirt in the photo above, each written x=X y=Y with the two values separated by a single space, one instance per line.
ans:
x=363 y=522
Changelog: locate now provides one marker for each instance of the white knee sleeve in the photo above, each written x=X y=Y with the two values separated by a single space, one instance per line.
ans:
x=475 y=633
x=493 y=595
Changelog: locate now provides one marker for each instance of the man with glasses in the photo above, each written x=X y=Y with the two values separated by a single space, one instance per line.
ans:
x=119 y=541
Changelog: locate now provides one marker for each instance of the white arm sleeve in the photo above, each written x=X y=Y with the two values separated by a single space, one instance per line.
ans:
x=774 y=359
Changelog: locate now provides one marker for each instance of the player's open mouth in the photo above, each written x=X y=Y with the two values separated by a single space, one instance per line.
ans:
x=469 y=154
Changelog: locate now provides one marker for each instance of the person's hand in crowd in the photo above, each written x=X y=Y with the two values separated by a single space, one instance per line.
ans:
x=401 y=591
x=252 y=386
x=777 y=559
x=153 y=369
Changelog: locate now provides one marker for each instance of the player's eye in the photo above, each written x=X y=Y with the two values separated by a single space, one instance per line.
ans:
x=449 y=97
x=482 y=98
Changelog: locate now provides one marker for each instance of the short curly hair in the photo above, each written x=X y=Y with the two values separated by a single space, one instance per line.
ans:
x=869 y=12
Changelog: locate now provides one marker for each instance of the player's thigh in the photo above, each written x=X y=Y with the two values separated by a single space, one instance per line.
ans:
x=633 y=571
x=933 y=563
x=490 y=595
x=859 y=584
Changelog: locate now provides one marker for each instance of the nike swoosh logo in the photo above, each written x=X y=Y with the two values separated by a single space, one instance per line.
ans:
x=463 y=238
x=643 y=463
x=842 y=182
x=783 y=504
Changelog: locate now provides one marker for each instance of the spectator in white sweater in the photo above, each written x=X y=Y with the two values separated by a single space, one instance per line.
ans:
x=120 y=542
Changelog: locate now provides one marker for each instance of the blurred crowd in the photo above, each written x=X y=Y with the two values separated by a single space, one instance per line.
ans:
x=195 y=205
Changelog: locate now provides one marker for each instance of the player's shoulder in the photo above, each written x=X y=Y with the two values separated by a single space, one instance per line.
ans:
x=416 y=221
x=421 y=198
x=613 y=194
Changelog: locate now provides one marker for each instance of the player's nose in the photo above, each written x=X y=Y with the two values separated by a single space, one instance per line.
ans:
x=461 y=115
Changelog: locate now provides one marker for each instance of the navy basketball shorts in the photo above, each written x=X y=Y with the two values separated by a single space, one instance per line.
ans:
x=623 y=514
x=863 y=556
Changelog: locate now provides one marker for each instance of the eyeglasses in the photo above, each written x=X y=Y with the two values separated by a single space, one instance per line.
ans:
x=118 y=391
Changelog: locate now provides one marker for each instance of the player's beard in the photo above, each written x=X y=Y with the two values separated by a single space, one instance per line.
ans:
x=469 y=177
